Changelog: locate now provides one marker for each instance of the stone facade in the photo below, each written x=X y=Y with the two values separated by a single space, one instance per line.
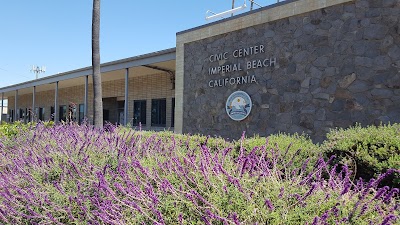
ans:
x=335 y=67
x=150 y=87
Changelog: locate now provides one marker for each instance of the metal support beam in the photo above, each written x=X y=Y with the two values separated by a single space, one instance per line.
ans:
x=85 y=109
x=56 y=119
x=233 y=6
x=159 y=68
x=170 y=72
x=126 y=96
x=33 y=111
x=15 y=105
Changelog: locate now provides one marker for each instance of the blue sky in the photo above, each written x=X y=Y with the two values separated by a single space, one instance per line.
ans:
x=57 y=34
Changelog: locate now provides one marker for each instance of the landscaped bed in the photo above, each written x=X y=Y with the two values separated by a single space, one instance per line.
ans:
x=70 y=174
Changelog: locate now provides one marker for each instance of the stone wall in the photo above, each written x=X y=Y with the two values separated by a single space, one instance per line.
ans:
x=335 y=67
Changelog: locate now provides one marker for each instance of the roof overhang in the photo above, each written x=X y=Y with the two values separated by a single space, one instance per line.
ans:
x=110 y=70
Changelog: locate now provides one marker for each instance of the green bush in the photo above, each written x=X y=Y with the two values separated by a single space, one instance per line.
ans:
x=295 y=148
x=12 y=129
x=369 y=151
x=188 y=142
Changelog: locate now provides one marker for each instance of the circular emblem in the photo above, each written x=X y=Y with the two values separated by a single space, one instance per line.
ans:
x=238 y=105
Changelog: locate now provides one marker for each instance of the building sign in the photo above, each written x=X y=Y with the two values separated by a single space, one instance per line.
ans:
x=242 y=65
x=238 y=105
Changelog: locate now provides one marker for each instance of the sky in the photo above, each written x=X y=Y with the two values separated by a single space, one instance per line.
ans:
x=57 y=34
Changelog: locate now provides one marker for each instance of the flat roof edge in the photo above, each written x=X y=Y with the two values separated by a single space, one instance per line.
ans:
x=237 y=16
x=105 y=67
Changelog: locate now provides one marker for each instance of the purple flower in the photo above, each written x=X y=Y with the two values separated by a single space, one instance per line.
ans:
x=315 y=221
x=235 y=218
x=281 y=191
x=346 y=188
x=388 y=218
x=180 y=218
x=383 y=176
x=389 y=196
x=364 y=209
x=269 y=204
x=381 y=191
x=312 y=189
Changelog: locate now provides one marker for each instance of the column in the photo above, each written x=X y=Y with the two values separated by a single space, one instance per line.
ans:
x=56 y=119
x=85 y=109
x=2 y=102
x=15 y=105
x=126 y=96
x=33 y=104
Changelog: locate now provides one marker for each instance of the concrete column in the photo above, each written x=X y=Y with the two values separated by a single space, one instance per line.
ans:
x=15 y=105
x=126 y=106
x=85 y=107
x=56 y=104
x=2 y=102
x=33 y=104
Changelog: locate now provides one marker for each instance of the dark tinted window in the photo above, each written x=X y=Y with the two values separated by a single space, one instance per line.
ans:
x=158 y=112
x=173 y=113
x=139 y=112
x=81 y=113
x=63 y=113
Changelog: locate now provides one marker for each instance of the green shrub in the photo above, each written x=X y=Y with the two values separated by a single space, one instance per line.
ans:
x=12 y=129
x=369 y=151
x=188 y=142
x=295 y=148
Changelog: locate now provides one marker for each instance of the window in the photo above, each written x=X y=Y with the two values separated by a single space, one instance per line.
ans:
x=106 y=116
x=121 y=113
x=40 y=113
x=63 y=113
x=27 y=117
x=139 y=112
x=21 y=114
x=81 y=113
x=36 y=113
x=52 y=116
x=173 y=113
x=11 y=118
x=71 y=113
x=158 y=112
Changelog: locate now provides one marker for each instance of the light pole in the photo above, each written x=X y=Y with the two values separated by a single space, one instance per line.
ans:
x=37 y=70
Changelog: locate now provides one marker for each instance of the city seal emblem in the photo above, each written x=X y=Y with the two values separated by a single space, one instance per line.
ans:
x=238 y=105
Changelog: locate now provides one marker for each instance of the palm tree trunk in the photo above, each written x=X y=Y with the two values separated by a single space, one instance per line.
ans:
x=97 y=89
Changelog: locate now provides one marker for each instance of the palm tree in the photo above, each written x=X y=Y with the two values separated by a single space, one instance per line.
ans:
x=97 y=89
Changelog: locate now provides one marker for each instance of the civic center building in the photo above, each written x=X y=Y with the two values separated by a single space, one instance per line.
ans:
x=303 y=66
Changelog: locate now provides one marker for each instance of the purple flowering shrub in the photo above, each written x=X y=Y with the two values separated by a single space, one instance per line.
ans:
x=69 y=174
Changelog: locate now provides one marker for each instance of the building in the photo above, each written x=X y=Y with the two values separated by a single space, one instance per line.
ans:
x=148 y=81
x=296 y=66
x=4 y=111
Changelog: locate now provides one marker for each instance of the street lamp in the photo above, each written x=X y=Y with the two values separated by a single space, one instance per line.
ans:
x=37 y=70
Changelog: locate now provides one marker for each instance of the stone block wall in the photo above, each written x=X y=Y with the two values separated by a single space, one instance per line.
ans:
x=335 y=67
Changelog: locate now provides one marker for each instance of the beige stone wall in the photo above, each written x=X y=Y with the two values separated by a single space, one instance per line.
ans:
x=45 y=99
x=231 y=25
x=140 y=88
